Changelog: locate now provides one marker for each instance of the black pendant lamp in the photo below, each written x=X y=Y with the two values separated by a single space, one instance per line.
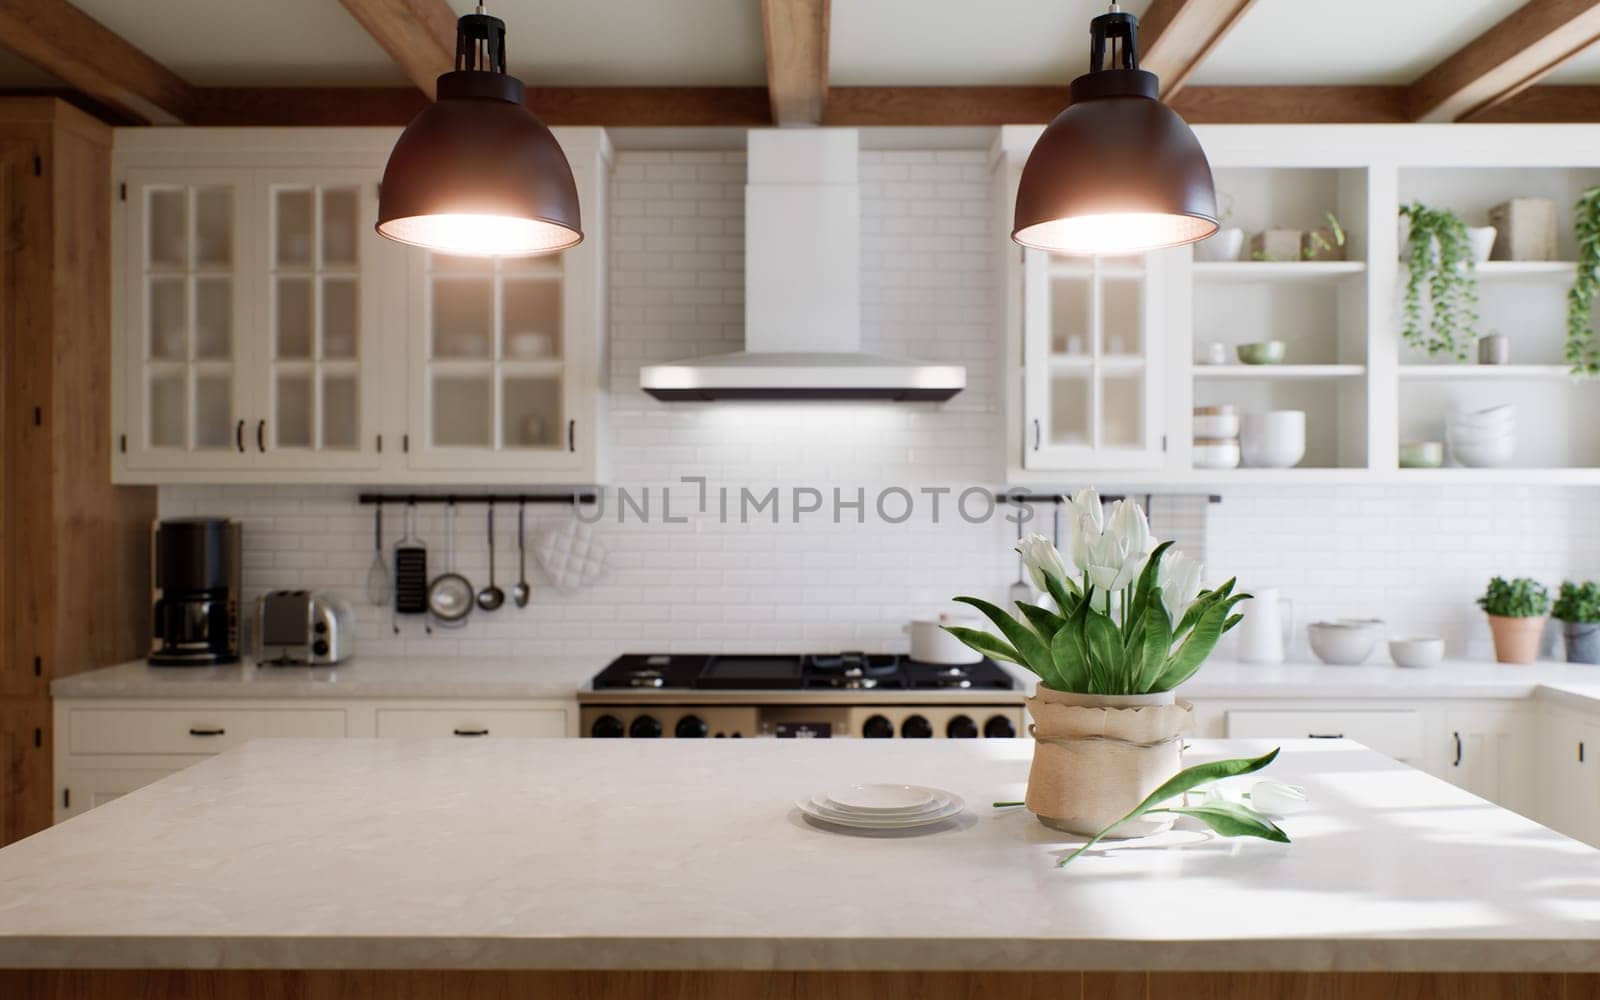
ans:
x=476 y=173
x=1117 y=172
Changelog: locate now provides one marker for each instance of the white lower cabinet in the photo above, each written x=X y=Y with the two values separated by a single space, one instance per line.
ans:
x=107 y=748
x=472 y=721
x=1569 y=773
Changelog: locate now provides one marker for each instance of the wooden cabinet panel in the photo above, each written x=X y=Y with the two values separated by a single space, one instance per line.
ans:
x=25 y=780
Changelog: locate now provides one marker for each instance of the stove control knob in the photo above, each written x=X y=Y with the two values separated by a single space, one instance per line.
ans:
x=645 y=727
x=877 y=728
x=962 y=728
x=607 y=727
x=999 y=728
x=916 y=728
x=690 y=727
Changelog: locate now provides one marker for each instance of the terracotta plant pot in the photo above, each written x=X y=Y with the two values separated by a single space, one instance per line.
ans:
x=1516 y=640
x=1098 y=756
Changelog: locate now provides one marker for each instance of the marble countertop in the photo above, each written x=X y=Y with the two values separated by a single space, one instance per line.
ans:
x=362 y=677
x=560 y=678
x=620 y=854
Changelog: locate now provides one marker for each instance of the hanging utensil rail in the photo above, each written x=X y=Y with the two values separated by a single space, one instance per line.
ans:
x=580 y=497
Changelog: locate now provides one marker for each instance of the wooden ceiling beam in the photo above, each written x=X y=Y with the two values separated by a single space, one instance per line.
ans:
x=613 y=107
x=419 y=35
x=62 y=40
x=1505 y=60
x=797 y=59
x=748 y=107
x=1175 y=37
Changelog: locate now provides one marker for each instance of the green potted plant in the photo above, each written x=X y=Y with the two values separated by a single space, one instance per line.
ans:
x=1578 y=609
x=1583 y=343
x=1440 y=307
x=1130 y=623
x=1516 y=610
x=1324 y=243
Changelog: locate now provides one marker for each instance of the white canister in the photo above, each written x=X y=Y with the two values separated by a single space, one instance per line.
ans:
x=930 y=643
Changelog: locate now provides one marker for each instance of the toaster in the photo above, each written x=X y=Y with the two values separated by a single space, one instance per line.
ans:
x=302 y=628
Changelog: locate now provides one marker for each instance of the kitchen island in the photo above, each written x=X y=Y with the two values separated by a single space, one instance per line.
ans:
x=631 y=868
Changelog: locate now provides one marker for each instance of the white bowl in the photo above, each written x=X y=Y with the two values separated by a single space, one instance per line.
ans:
x=1216 y=454
x=1215 y=425
x=1273 y=440
x=1494 y=416
x=1482 y=454
x=1416 y=651
x=1342 y=644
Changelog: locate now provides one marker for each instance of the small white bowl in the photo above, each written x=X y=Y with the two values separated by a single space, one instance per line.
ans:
x=1213 y=453
x=1416 y=651
x=1342 y=643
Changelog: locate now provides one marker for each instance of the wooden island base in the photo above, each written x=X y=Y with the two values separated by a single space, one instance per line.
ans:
x=137 y=984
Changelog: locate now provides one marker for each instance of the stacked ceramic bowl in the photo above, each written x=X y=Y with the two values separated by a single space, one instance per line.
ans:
x=1482 y=438
x=1216 y=437
x=1275 y=439
x=882 y=807
x=1344 y=642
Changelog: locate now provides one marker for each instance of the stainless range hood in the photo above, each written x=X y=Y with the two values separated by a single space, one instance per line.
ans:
x=802 y=311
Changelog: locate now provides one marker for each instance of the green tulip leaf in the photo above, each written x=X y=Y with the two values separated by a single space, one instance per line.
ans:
x=1197 y=645
x=1145 y=587
x=1185 y=780
x=1071 y=653
x=1064 y=593
x=1230 y=819
x=1033 y=650
x=1156 y=643
x=991 y=646
x=1105 y=645
x=1046 y=623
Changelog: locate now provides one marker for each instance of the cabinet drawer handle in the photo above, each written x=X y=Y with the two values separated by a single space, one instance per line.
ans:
x=1457 y=761
x=1580 y=751
x=238 y=437
x=1324 y=736
x=1038 y=433
x=572 y=435
x=261 y=436
x=197 y=731
x=471 y=732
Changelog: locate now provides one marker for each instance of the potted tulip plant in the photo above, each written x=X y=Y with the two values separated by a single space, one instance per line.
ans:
x=1516 y=610
x=1130 y=623
x=1578 y=608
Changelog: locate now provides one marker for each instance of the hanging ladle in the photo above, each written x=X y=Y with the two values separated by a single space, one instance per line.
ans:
x=491 y=597
x=521 y=591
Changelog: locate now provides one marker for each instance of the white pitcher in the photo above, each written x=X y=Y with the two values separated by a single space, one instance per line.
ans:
x=1268 y=624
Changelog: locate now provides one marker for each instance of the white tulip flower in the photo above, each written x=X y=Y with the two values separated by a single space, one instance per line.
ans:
x=1114 y=558
x=1178 y=579
x=1042 y=560
x=1086 y=524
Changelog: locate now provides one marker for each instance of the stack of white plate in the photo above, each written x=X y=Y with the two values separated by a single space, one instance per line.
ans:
x=1482 y=438
x=882 y=807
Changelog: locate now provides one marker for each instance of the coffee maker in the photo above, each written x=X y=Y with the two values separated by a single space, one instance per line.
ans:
x=196 y=614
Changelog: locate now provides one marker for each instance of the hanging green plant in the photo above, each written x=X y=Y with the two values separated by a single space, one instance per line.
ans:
x=1439 y=264
x=1583 y=344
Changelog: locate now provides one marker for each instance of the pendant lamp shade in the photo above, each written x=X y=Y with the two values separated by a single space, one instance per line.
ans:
x=476 y=173
x=1117 y=172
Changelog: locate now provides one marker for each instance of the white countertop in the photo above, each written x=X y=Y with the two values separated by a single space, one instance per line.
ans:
x=546 y=677
x=362 y=677
x=606 y=854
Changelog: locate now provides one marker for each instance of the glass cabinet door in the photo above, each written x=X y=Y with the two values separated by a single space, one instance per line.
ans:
x=1092 y=359
x=492 y=370
x=186 y=313
x=316 y=376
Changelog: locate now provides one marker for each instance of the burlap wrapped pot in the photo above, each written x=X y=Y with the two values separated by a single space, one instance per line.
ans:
x=1098 y=756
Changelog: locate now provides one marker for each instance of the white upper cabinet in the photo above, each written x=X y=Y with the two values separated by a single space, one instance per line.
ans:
x=1093 y=347
x=266 y=333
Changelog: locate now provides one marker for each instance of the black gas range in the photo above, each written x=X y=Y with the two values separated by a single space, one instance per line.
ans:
x=738 y=695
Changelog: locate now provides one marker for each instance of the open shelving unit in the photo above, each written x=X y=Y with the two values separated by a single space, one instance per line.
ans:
x=1363 y=389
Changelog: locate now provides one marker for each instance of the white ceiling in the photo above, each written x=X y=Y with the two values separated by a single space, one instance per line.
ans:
x=1347 y=42
x=719 y=42
x=960 y=43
